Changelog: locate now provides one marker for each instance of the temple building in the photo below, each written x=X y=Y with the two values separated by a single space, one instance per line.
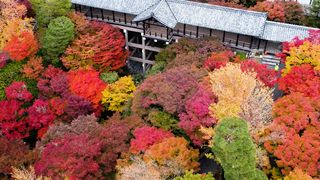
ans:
x=150 y=25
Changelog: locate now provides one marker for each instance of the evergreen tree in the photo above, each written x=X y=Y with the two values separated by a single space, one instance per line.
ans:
x=234 y=150
x=59 y=34
x=314 y=19
x=46 y=10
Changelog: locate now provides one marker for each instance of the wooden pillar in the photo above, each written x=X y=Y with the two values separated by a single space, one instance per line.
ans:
x=224 y=36
x=197 y=34
x=184 y=29
x=143 y=53
x=125 y=18
x=259 y=43
x=167 y=33
x=127 y=38
x=113 y=16
x=75 y=7
x=91 y=15
x=251 y=41
x=80 y=8
x=210 y=32
x=144 y=27
x=265 y=46
x=237 y=41
x=102 y=16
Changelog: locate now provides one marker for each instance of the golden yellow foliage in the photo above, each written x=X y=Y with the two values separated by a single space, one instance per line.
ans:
x=232 y=87
x=116 y=95
x=297 y=174
x=307 y=53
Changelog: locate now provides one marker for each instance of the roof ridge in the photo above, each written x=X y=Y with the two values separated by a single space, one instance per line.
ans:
x=171 y=10
x=291 y=25
x=212 y=6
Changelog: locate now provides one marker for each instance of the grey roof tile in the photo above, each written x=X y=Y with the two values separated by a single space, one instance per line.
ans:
x=171 y=12
x=281 y=32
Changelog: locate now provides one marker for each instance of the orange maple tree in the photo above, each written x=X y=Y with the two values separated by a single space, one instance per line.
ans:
x=20 y=47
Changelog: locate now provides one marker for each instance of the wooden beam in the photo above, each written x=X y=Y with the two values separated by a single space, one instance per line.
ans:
x=125 y=18
x=144 y=28
x=237 y=41
x=113 y=16
x=210 y=32
x=102 y=15
x=184 y=29
x=251 y=41
x=224 y=36
x=265 y=46
x=79 y=7
x=259 y=43
x=167 y=33
x=197 y=34
x=91 y=15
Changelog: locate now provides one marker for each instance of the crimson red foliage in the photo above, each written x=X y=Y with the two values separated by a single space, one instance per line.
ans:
x=303 y=79
x=13 y=124
x=73 y=156
x=265 y=75
x=18 y=91
x=147 y=136
x=197 y=115
x=40 y=115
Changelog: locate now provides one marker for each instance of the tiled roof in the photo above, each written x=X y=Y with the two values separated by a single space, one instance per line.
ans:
x=280 y=32
x=171 y=12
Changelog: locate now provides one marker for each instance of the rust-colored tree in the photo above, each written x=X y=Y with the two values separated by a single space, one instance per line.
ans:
x=102 y=49
x=295 y=137
x=275 y=9
x=33 y=68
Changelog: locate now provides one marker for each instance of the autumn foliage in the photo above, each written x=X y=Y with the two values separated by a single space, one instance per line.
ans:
x=295 y=135
x=33 y=68
x=146 y=137
x=22 y=46
x=86 y=83
x=303 y=79
x=102 y=49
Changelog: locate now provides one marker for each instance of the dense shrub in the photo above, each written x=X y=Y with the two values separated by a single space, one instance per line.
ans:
x=303 y=79
x=265 y=75
x=33 y=68
x=86 y=83
x=197 y=115
x=80 y=21
x=162 y=120
x=13 y=153
x=173 y=150
x=275 y=9
x=146 y=137
x=18 y=91
x=11 y=73
x=21 y=46
x=306 y=53
x=86 y=152
x=234 y=150
x=59 y=34
x=168 y=90
x=102 y=49
x=116 y=95
x=109 y=77
x=294 y=138
x=13 y=124
x=40 y=115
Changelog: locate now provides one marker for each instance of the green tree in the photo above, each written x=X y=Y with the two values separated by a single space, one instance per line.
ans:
x=59 y=34
x=46 y=10
x=234 y=150
x=314 y=19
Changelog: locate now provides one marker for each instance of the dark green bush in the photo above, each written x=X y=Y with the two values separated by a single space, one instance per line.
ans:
x=109 y=77
x=233 y=148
